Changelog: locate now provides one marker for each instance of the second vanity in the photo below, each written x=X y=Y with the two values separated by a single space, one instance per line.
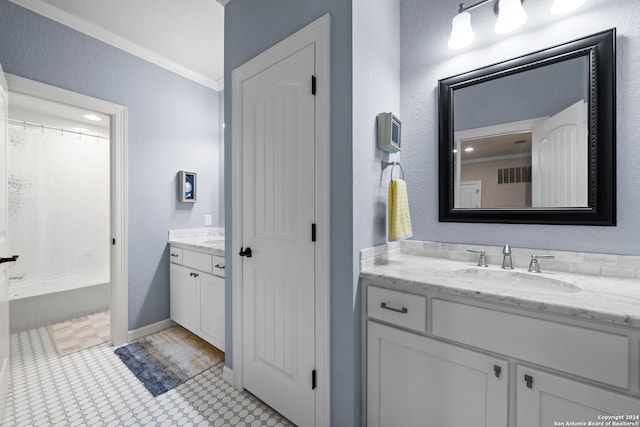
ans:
x=449 y=343
x=197 y=288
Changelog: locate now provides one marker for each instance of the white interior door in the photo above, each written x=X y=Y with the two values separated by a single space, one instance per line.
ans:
x=278 y=163
x=559 y=174
x=470 y=194
x=4 y=248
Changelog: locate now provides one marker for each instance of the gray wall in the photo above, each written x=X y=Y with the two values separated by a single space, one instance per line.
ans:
x=425 y=58
x=376 y=89
x=365 y=80
x=534 y=93
x=173 y=125
x=252 y=26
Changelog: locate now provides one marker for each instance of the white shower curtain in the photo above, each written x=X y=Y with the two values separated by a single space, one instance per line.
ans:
x=58 y=209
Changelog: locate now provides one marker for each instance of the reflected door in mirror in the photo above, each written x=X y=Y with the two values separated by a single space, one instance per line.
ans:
x=559 y=159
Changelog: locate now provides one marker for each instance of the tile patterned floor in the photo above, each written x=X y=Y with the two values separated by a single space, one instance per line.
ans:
x=80 y=333
x=93 y=388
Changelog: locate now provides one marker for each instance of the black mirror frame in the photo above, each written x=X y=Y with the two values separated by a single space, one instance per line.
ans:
x=601 y=210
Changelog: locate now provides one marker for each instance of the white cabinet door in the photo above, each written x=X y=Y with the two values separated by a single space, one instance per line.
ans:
x=184 y=296
x=413 y=380
x=211 y=310
x=543 y=399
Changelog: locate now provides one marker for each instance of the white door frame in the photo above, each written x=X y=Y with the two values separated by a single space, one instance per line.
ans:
x=318 y=33
x=118 y=142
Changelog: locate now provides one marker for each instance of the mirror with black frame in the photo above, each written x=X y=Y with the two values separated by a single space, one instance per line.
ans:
x=532 y=139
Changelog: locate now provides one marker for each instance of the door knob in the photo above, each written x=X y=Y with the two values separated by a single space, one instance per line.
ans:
x=245 y=252
x=10 y=259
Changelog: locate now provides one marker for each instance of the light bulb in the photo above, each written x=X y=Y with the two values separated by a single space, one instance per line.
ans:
x=511 y=16
x=563 y=6
x=461 y=32
x=92 y=117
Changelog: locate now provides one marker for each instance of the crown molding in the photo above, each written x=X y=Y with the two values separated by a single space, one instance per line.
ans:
x=82 y=25
x=220 y=83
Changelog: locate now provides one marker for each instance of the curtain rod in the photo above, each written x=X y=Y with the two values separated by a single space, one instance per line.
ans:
x=42 y=126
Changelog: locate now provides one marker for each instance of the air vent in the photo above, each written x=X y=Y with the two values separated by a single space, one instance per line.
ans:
x=514 y=175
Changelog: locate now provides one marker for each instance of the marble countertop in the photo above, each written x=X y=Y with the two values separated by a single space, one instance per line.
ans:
x=209 y=240
x=604 y=299
x=211 y=246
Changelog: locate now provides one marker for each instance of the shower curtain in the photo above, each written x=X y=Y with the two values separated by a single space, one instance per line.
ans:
x=58 y=209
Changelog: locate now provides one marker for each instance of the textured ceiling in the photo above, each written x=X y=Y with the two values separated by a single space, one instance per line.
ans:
x=185 y=36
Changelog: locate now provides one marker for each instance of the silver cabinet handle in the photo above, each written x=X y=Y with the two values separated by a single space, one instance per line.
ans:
x=175 y=255
x=219 y=266
x=397 y=310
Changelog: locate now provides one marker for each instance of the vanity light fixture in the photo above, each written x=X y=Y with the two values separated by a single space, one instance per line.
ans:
x=510 y=13
x=468 y=149
x=462 y=34
x=563 y=6
x=511 y=16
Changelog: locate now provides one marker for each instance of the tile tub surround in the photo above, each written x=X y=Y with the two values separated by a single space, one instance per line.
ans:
x=209 y=240
x=607 y=299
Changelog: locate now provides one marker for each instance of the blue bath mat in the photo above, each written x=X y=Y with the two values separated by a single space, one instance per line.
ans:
x=164 y=360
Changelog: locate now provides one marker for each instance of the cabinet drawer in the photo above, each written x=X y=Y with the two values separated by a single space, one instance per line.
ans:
x=399 y=308
x=175 y=255
x=197 y=260
x=218 y=265
x=567 y=348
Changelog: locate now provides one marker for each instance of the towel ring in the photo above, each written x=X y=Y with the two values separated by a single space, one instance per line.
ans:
x=393 y=166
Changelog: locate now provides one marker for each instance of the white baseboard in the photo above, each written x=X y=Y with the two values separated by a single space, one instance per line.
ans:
x=136 y=334
x=227 y=375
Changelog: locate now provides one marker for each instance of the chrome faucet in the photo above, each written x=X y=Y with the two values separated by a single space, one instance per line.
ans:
x=482 y=259
x=534 y=265
x=507 y=263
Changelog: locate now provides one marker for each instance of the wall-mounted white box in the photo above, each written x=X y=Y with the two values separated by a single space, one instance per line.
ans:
x=389 y=132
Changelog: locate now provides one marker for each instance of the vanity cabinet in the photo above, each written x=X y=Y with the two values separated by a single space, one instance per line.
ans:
x=543 y=398
x=414 y=380
x=183 y=296
x=211 y=309
x=197 y=294
x=434 y=359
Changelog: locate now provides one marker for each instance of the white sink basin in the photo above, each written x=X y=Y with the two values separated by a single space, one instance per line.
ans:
x=517 y=280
